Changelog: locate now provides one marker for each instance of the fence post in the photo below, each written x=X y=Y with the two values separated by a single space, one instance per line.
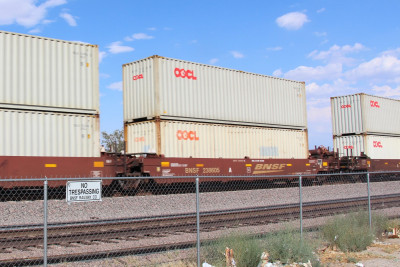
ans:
x=369 y=202
x=198 y=220
x=301 y=206
x=45 y=223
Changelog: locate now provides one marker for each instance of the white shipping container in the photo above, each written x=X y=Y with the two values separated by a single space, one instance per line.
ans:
x=33 y=133
x=374 y=146
x=205 y=140
x=181 y=90
x=46 y=74
x=361 y=113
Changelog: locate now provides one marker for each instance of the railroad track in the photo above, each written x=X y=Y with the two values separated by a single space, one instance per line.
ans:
x=136 y=229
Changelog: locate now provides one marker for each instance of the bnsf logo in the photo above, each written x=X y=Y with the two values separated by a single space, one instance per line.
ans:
x=345 y=106
x=377 y=144
x=348 y=147
x=137 y=77
x=187 y=135
x=269 y=166
x=184 y=74
x=374 y=104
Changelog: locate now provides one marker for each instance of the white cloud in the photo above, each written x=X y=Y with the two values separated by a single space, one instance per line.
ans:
x=337 y=54
x=138 y=36
x=304 y=73
x=318 y=114
x=152 y=29
x=25 y=12
x=292 y=20
x=276 y=48
x=69 y=19
x=47 y=21
x=321 y=10
x=35 y=30
x=104 y=75
x=384 y=68
x=329 y=88
x=214 y=60
x=320 y=34
x=116 y=48
x=387 y=91
x=277 y=73
x=237 y=54
x=393 y=52
x=102 y=55
x=115 y=86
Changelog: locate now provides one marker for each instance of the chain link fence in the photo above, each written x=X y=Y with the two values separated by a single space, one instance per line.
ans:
x=146 y=221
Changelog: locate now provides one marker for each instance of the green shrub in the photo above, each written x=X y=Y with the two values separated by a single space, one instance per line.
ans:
x=246 y=250
x=351 y=232
x=288 y=247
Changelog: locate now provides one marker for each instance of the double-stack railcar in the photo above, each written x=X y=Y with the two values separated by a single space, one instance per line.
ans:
x=180 y=119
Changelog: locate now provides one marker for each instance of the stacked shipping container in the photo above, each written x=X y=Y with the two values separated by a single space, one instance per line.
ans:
x=368 y=124
x=181 y=109
x=49 y=97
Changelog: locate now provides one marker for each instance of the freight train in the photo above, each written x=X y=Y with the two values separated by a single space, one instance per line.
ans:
x=152 y=168
x=180 y=119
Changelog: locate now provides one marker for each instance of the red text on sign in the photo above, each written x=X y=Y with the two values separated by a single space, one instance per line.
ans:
x=184 y=74
x=374 y=104
x=187 y=135
x=377 y=144
x=137 y=77
x=139 y=139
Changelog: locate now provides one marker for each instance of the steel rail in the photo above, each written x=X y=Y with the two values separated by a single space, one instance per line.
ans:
x=22 y=237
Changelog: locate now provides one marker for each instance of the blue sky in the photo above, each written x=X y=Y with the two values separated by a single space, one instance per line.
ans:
x=337 y=47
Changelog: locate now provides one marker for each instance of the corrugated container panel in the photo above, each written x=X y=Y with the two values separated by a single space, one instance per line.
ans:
x=32 y=133
x=374 y=146
x=361 y=113
x=181 y=90
x=42 y=72
x=205 y=140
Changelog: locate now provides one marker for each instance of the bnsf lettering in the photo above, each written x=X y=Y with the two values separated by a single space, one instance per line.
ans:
x=270 y=166
x=377 y=144
x=348 y=147
x=187 y=135
x=137 y=77
x=345 y=106
x=192 y=170
x=184 y=74
x=374 y=104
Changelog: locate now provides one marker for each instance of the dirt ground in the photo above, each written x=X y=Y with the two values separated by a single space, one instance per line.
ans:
x=385 y=253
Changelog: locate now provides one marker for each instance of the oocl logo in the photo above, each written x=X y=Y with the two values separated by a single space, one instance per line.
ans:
x=187 y=135
x=184 y=74
x=374 y=104
x=377 y=144
x=137 y=77
x=345 y=106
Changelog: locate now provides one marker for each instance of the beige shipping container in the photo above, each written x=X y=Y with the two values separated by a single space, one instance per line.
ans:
x=374 y=146
x=365 y=114
x=158 y=87
x=38 y=73
x=205 y=140
x=33 y=133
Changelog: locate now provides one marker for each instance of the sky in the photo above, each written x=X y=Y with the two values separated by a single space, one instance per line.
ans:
x=337 y=47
